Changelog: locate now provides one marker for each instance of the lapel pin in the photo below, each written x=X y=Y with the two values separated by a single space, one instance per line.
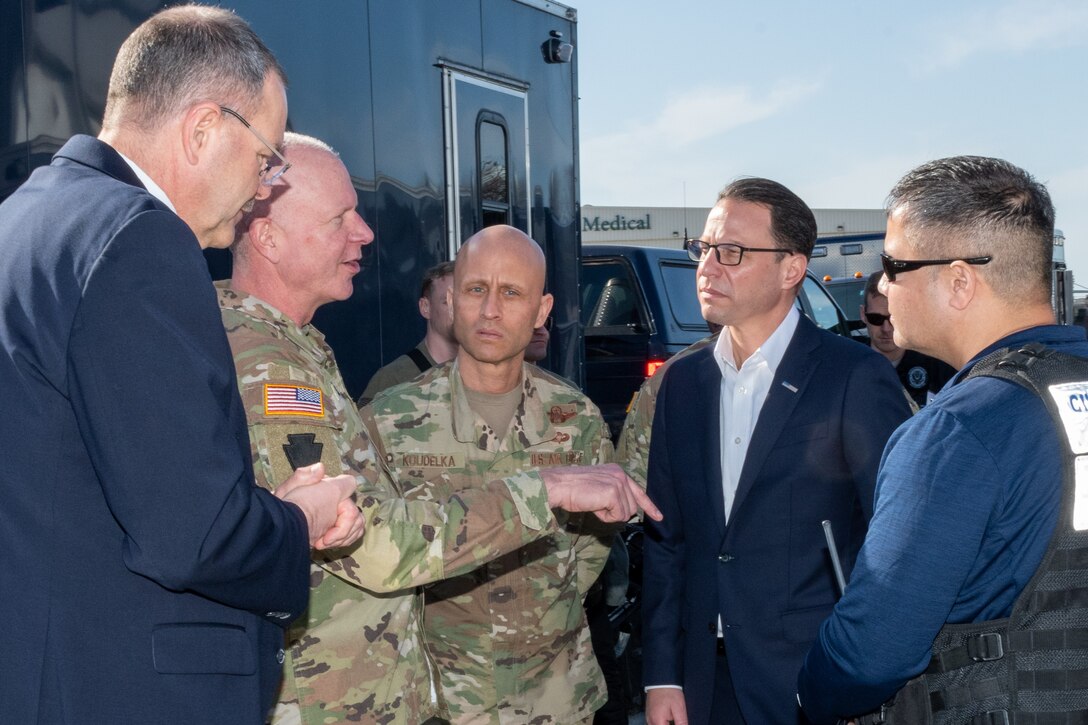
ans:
x=787 y=386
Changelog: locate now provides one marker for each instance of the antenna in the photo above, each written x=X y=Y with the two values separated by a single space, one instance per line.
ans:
x=685 y=186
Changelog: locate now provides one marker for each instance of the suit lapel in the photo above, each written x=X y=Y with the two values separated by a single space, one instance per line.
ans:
x=788 y=386
x=707 y=390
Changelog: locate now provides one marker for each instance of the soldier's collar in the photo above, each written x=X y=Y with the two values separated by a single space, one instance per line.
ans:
x=232 y=299
x=531 y=422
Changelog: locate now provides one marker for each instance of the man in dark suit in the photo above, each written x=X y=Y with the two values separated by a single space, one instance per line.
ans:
x=757 y=439
x=144 y=578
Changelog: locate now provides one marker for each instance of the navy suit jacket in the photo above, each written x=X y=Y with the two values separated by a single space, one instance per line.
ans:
x=813 y=456
x=143 y=576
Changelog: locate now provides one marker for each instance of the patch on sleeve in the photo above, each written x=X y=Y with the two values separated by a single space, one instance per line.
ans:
x=302 y=449
x=293 y=400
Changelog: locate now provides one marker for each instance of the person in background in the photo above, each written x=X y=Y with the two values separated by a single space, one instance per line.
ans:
x=633 y=446
x=922 y=376
x=438 y=345
x=538 y=343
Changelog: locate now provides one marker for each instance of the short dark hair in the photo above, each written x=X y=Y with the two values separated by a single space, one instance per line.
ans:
x=872 y=287
x=185 y=55
x=793 y=225
x=437 y=272
x=971 y=206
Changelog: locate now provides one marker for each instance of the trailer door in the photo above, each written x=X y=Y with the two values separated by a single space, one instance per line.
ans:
x=487 y=154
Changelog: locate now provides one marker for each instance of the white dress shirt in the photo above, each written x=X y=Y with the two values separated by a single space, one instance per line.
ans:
x=743 y=392
x=152 y=188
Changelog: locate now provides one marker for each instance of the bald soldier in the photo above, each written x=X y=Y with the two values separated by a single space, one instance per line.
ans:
x=355 y=656
x=510 y=639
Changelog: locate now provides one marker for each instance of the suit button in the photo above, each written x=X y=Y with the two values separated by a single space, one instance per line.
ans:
x=280 y=655
x=725 y=558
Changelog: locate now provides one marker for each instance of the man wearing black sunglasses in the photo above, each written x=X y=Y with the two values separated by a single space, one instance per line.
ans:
x=969 y=492
x=922 y=376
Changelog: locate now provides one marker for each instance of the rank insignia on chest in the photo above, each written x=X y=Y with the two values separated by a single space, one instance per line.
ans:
x=293 y=400
x=561 y=413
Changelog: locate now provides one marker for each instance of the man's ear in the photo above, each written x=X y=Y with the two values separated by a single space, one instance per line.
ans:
x=263 y=238
x=199 y=126
x=793 y=266
x=425 y=307
x=962 y=284
x=546 y=302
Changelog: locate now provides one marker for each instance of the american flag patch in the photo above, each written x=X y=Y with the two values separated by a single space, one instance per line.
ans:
x=293 y=400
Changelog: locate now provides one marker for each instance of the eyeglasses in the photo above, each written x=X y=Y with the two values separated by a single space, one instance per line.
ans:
x=728 y=254
x=893 y=266
x=876 y=319
x=270 y=172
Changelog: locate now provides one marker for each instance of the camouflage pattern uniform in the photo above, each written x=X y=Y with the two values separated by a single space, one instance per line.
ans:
x=510 y=639
x=633 y=447
x=357 y=655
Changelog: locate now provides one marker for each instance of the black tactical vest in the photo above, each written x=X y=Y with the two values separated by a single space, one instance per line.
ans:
x=1032 y=667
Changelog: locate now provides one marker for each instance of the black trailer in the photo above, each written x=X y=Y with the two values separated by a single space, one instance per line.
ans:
x=449 y=114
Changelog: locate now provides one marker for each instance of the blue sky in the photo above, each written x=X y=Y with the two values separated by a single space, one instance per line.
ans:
x=836 y=99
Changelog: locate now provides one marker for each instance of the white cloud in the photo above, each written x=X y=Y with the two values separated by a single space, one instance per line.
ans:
x=1016 y=27
x=661 y=153
x=861 y=184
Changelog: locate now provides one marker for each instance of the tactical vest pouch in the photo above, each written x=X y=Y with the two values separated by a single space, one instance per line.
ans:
x=1031 y=668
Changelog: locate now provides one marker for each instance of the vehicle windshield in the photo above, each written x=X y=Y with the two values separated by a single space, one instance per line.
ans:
x=848 y=293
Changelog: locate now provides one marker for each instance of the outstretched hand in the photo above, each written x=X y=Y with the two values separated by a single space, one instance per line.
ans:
x=604 y=490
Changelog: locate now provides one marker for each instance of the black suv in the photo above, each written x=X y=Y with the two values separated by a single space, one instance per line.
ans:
x=639 y=308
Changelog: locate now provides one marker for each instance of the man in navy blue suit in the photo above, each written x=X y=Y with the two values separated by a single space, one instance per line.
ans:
x=144 y=578
x=756 y=440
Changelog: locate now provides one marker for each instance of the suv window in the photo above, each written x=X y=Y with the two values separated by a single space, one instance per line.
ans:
x=609 y=296
x=680 y=291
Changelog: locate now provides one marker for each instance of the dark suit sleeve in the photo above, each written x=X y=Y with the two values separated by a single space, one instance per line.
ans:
x=873 y=407
x=152 y=384
x=663 y=551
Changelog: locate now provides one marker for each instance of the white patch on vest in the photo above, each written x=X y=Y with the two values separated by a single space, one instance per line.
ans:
x=1080 y=500
x=1072 y=402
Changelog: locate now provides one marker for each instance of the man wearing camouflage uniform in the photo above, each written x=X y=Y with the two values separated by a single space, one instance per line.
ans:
x=633 y=447
x=355 y=656
x=510 y=639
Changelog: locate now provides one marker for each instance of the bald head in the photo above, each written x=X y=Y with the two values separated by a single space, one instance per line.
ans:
x=294 y=191
x=300 y=248
x=509 y=241
x=497 y=300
